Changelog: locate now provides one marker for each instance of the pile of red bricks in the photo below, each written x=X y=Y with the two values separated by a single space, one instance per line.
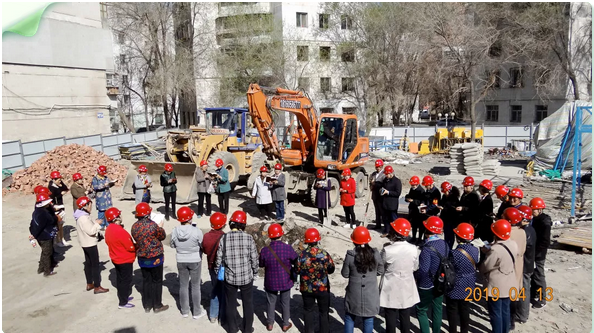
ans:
x=68 y=160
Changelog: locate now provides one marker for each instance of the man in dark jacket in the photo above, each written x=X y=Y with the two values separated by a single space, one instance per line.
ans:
x=375 y=184
x=390 y=191
x=521 y=308
x=43 y=228
x=168 y=181
x=485 y=212
x=469 y=202
x=431 y=197
x=542 y=225
x=414 y=197
x=278 y=192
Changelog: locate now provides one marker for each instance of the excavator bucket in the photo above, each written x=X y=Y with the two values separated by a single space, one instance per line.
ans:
x=186 y=184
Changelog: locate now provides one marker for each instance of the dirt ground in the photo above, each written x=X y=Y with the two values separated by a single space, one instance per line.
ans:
x=32 y=303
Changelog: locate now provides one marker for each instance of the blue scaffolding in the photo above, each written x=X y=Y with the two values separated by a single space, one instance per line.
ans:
x=579 y=129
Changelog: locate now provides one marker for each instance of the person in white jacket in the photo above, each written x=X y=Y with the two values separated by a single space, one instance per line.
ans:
x=398 y=290
x=261 y=192
x=87 y=231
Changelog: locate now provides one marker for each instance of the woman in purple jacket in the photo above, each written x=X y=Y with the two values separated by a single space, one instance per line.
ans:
x=322 y=186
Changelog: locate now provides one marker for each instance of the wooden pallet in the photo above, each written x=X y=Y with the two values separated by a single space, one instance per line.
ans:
x=578 y=236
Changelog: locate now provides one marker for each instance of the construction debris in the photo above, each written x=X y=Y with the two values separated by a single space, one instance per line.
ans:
x=473 y=159
x=491 y=167
x=457 y=160
x=68 y=160
x=394 y=156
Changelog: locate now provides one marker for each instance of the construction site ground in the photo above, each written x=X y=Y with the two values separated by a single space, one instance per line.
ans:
x=32 y=303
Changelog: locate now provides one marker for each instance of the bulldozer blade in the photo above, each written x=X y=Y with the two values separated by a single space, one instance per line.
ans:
x=187 y=190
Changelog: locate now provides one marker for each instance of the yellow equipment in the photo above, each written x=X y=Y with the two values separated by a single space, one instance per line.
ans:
x=424 y=148
x=444 y=139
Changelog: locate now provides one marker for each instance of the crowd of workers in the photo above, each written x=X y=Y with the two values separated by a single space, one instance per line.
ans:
x=504 y=251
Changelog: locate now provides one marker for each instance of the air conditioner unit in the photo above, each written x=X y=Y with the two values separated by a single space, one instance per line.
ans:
x=113 y=91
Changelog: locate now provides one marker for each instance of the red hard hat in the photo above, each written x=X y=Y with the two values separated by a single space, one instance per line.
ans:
x=434 y=224
x=41 y=197
x=445 y=186
x=55 y=175
x=263 y=169
x=516 y=193
x=219 y=163
x=82 y=201
x=184 y=214
x=526 y=212
x=102 y=170
x=112 y=213
x=513 y=215
x=468 y=181
x=427 y=181
x=77 y=176
x=360 y=236
x=278 y=166
x=501 y=191
x=320 y=173
x=414 y=180
x=203 y=163
x=401 y=226
x=312 y=235
x=238 y=216
x=168 y=167
x=346 y=172
x=218 y=220
x=275 y=231
x=487 y=184
x=379 y=163
x=537 y=203
x=143 y=209
x=142 y=168
x=501 y=229
x=465 y=231
x=38 y=189
x=388 y=170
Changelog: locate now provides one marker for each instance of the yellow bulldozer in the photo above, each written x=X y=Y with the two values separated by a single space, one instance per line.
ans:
x=228 y=135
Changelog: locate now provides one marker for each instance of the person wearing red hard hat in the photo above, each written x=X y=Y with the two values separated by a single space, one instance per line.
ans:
x=431 y=198
x=542 y=224
x=498 y=270
x=464 y=259
x=278 y=260
x=521 y=308
x=390 y=192
x=187 y=242
x=210 y=245
x=142 y=185
x=168 y=181
x=322 y=185
x=78 y=189
x=376 y=180
x=314 y=264
x=58 y=188
x=361 y=267
x=348 y=187
x=204 y=180
x=415 y=197
x=469 y=203
x=149 y=249
x=87 y=231
x=502 y=193
x=515 y=197
x=237 y=256
x=518 y=236
x=484 y=217
x=447 y=205
x=279 y=194
x=399 y=291
x=261 y=191
x=43 y=229
x=101 y=185
x=223 y=185
x=122 y=252
x=429 y=261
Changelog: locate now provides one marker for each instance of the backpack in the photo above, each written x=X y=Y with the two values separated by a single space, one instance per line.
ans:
x=445 y=277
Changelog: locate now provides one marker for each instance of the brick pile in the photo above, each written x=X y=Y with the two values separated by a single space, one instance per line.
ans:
x=68 y=160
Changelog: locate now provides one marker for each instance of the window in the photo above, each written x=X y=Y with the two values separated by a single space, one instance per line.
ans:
x=302 y=53
x=302 y=20
x=324 y=18
x=348 y=56
x=122 y=60
x=325 y=84
x=125 y=80
x=303 y=83
x=346 y=22
x=121 y=38
x=348 y=84
x=350 y=138
x=328 y=145
x=495 y=49
x=541 y=112
x=103 y=9
x=126 y=99
x=516 y=114
x=110 y=78
x=515 y=78
x=326 y=110
x=324 y=53
x=492 y=113
x=349 y=110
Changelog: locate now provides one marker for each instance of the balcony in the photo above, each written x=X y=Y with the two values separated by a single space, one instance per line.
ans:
x=240 y=8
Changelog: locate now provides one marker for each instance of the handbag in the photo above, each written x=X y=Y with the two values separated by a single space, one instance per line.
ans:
x=146 y=196
x=292 y=273
x=210 y=189
x=221 y=274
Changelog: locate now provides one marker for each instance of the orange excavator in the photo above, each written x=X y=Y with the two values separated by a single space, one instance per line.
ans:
x=328 y=141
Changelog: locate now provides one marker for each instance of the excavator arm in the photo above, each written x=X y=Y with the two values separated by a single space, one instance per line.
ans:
x=261 y=106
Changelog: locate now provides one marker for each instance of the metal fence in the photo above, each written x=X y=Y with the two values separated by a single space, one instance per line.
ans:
x=18 y=155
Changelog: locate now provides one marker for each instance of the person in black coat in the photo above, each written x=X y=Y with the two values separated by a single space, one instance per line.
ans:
x=485 y=212
x=450 y=217
x=390 y=191
x=431 y=197
x=542 y=224
x=375 y=184
x=415 y=197
x=43 y=228
x=520 y=310
x=469 y=203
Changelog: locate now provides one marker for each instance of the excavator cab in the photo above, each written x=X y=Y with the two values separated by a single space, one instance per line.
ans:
x=339 y=145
